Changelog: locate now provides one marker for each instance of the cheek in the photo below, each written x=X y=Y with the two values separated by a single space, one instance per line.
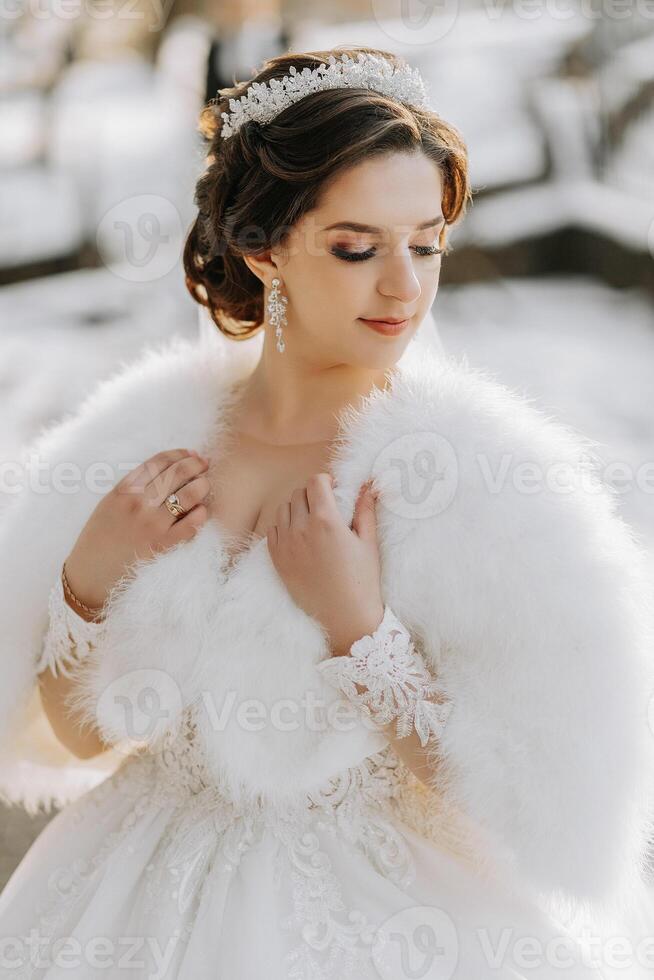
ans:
x=429 y=280
x=348 y=286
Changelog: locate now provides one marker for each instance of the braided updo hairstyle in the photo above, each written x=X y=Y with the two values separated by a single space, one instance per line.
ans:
x=263 y=179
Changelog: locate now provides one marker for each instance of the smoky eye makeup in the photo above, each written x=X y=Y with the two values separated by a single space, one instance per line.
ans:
x=358 y=255
x=351 y=254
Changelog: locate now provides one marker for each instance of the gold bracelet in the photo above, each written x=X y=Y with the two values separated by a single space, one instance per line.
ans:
x=78 y=602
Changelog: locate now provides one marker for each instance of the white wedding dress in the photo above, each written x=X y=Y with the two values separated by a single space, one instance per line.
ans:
x=156 y=873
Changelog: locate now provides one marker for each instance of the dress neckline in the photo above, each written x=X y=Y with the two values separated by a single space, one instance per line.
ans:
x=345 y=419
x=233 y=557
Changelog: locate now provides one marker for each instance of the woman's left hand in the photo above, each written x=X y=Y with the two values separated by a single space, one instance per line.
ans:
x=332 y=572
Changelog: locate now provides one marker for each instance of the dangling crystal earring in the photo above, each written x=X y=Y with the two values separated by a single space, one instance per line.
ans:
x=277 y=312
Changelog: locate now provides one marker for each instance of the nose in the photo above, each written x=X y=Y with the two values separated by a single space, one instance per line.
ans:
x=399 y=279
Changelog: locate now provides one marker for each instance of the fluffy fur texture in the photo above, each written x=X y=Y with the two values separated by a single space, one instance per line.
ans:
x=533 y=607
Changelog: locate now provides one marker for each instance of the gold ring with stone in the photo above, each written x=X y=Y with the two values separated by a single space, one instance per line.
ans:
x=173 y=505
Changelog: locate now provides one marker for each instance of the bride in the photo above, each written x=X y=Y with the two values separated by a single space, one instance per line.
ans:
x=333 y=652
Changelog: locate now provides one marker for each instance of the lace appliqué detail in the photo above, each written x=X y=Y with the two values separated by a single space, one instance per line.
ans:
x=397 y=681
x=69 y=638
x=356 y=806
x=210 y=834
x=206 y=834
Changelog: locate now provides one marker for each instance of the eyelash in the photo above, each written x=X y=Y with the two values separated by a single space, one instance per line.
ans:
x=422 y=250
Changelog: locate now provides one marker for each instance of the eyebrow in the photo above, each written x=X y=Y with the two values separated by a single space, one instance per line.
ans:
x=355 y=226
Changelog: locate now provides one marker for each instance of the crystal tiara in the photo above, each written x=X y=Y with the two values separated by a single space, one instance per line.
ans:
x=264 y=101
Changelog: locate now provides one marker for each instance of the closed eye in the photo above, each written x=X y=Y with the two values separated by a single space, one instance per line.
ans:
x=343 y=253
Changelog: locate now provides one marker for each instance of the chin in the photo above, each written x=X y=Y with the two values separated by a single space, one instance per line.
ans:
x=381 y=360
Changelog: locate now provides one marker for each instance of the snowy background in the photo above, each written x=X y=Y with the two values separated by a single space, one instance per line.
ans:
x=550 y=284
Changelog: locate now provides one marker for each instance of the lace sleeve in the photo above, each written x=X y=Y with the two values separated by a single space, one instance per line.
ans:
x=69 y=638
x=397 y=680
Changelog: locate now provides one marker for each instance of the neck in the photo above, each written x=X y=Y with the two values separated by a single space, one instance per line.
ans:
x=286 y=400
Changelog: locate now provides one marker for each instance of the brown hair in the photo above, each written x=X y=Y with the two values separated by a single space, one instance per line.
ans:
x=263 y=179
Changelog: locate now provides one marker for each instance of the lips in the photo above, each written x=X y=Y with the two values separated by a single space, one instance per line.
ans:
x=385 y=319
x=390 y=328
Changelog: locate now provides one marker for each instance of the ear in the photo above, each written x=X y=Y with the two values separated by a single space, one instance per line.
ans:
x=265 y=267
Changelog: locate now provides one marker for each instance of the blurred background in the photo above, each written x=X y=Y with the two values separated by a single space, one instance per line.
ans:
x=550 y=283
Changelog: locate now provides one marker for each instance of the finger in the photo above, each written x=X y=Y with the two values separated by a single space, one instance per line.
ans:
x=172 y=479
x=273 y=537
x=283 y=516
x=299 y=506
x=186 y=527
x=320 y=495
x=137 y=480
x=365 y=513
x=190 y=495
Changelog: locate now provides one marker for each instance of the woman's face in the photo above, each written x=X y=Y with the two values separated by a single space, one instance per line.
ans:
x=335 y=276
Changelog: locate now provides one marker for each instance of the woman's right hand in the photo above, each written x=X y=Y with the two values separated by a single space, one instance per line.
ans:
x=132 y=522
